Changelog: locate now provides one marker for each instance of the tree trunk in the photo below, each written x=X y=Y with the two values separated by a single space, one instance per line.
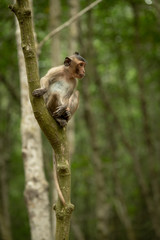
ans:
x=36 y=189
x=55 y=134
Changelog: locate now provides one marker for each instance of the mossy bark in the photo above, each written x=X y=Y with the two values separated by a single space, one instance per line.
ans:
x=55 y=134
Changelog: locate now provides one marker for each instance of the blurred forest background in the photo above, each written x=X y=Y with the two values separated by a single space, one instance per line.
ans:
x=115 y=144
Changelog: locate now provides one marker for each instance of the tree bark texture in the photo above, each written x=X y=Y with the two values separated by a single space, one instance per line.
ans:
x=36 y=186
x=55 y=134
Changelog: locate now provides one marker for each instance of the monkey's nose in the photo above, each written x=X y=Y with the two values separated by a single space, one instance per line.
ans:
x=82 y=75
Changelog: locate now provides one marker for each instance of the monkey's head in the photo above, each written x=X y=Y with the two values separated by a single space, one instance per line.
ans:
x=76 y=65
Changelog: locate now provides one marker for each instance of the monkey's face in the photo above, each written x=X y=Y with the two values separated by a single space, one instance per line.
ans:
x=80 y=69
x=76 y=66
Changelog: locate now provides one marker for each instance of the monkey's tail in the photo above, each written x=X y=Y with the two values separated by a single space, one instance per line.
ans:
x=56 y=181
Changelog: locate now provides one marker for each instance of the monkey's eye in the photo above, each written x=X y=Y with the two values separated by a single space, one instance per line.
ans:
x=81 y=64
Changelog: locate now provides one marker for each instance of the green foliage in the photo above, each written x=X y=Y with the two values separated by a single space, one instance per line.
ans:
x=114 y=57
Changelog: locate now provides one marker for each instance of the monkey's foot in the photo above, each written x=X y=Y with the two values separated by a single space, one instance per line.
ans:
x=39 y=92
x=62 y=122
x=66 y=115
x=60 y=111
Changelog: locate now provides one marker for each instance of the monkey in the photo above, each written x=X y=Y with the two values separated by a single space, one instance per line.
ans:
x=61 y=99
x=58 y=88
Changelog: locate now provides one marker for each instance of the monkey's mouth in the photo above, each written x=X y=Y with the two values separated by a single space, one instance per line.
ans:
x=81 y=75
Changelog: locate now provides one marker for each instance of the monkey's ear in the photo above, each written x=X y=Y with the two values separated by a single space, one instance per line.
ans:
x=76 y=53
x=67 y=61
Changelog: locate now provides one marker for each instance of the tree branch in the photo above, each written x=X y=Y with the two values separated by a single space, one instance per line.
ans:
x=67 y=23
x=55 y=134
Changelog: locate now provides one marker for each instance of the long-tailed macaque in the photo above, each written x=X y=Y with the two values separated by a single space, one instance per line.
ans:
x=58 y=88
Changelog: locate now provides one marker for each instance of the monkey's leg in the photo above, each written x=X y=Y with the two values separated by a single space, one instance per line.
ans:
x=73 y=103
x=39 y=92
x=67 y=110
x=52 y=103
x=61 y=115
x=54 y=106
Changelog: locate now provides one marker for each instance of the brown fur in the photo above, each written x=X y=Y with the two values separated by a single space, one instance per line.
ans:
x=58 y=88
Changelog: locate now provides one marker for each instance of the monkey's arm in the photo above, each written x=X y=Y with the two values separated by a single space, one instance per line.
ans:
x=39 y=92
x=44 y=87
x=46 y=81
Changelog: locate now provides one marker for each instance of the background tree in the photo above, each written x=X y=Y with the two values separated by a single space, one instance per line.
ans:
x=123 y=87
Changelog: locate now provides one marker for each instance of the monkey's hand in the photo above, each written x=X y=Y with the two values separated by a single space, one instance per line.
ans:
x=39 y=92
